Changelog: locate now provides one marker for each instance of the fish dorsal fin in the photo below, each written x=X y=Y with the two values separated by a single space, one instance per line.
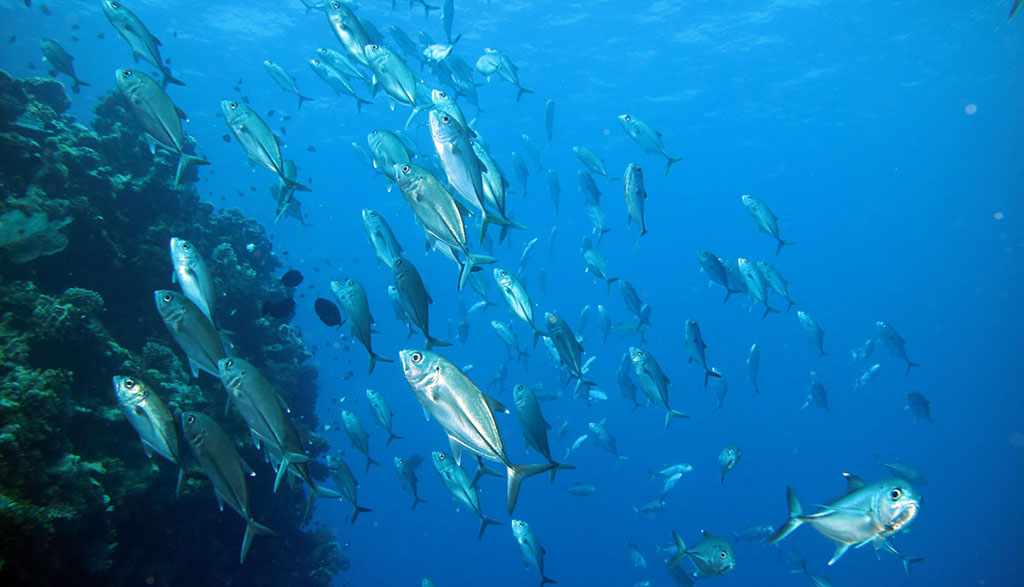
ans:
x=495 y=405
x=181 y=113
x=456 y=450
x=853 y=482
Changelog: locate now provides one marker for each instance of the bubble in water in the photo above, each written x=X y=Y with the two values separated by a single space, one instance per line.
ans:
x=970 y=109
x=998 y=216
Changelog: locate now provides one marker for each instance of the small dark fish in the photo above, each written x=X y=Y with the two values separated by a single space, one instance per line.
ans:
x=100 y=36
x=45 y=9
x=271 y=112
x=283 y=130
x=311 y=149
x=291 y=279
x=281 y=309
x=226 y=138
x=329 y=313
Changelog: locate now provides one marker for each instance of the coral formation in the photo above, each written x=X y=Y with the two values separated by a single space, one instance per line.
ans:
x=84 y=226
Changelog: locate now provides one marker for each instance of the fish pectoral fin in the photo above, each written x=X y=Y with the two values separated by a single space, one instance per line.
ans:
x=426 y=414
x=181 y=113
x=496 y=405
x=841 y=549
x=193 y=367
x=456 y=450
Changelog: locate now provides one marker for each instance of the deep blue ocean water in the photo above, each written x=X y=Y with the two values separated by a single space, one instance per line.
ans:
x=885 y=135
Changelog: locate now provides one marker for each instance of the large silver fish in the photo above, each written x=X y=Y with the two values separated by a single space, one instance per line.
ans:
x=192 y=276
x=568 y=347
x=61 y=61
x=864 y=514
x=215 y=452
x=647 y=137
x=653 y=381
x=756 y=285
x=348 y=29
x=388 y=150
x=352 y=298
x=464 y=412
x=415 y=299
x=591 y=160
x=765 y=219
x=462 y=489
x=192 y=330
x=716 y=271
x=529 y=546
x=257 y=140
x=159 y=117
x=346 y=483
x=460 y=162
x=142 y=42
x=151 y=418
x=399 y=82
x=494 y=61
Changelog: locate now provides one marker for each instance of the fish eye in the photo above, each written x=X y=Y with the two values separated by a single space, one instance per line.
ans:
x=129 y=383
x=168 y=297
x=186 y=245
x=441 y=457
x=191 y=420
x=640 y=353
x=442 y=94
x=552 y=319
x=229 y=363
x=406 y=169
x=895 y=493
x=373 y=214
x=115 y=5
x=416 y=357
x=374 y=47
x=628 y=118
x=233 y=105
x=351 y=282
x=316 y=62
x=126 y=73
x=335 y=5
x=723 y=554
x=445 y=119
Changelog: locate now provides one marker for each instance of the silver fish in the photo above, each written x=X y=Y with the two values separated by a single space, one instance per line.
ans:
x=494 y=61
x=903 y=470
x=462 y=489
x=517 y=299
x=192 y=330
x=141 y=41
x=151 y=418
x=696 y=346
x=653 y=381
x=357 y=435
x=406 y=470
x=647 y=137
x=285 y=80
x=813 y=330
x=716 y=271
x=415 y=299
x=529 y=546
x=348 y=30
x=399 y=82
x=635 y=196
x=346 y=483
x=385 y=246
x=728 y=459
x=337 y=80
x=192 y=276
x=381 y=413
x=61 y=61
x=257 y=139
x=765 y=219
x=351 y=297
x=712 y=556
x=893 y=340
x=757 y=287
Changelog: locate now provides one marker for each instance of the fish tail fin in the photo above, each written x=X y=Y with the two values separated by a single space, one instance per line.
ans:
x=370 y=461
x=545 y=579
x=417 y=500
x=484 y=523
x=315 y=493
x=170 y=79
x=601 y=234
x=608 y=283
x=252 y=528
x=303 y=99
x=415 y=110
x=673 y=414
x=823 y=353
x=360 y=102
x=374 y=358
x=911 y=365
x=796 y=511
x=791 y=304
x=728 y=292
x=782 y=243
x=295 y=185
x=671 y=160
x=355 y=514
x=522 y=91
x=909 y=561
x=516 y=474
x=184 y=160
x=559 y=467
x=680 y=550
x=536 y=335
x=392 y=436
x=433 y=342
x=768 y=310
x=78 y=84
x=503 y=234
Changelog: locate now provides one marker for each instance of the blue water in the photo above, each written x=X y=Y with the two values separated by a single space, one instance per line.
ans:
x=885 y=135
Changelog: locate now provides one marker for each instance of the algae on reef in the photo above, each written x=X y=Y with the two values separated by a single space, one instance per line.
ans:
x=84 y=224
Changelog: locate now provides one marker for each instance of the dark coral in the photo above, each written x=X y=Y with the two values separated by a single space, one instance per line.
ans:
x=79 y=501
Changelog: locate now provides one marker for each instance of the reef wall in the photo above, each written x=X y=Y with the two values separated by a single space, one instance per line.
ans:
x=85 y=221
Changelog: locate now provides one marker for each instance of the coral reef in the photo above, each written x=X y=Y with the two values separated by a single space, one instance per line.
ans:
x=84 y=228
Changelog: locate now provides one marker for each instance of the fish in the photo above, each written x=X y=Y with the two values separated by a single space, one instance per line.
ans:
x=634 y=303
x=919 y=405
x=351 y=297
x=388 y=150
x=568 y=347
x=191 y=274
x=672 y=470
x=554 y=188
x=346 y=483
x=653 y=381
x=712 y=556
x=461 y=488
x=728 y=459
x=525 y=255
x=635 y=556
x=864 y=351
x=591 y=161
x=327 y=312
x=336 y=80
x=264 y=412
x=581 y=489
x=138 y=37
x=494 y=61
x=721 y=391
x=152 y=419
x=415 y=299
x=635 y=196
x=405 y=43
x=903 y=470
x=604 y=439
x=258 y=141
x=532 y=150
x=669 y=484
x=549 y=118
x=604 y=321
x=381 y=413
x=893 y=340
x=813 y=330
x=61 y=61
x=282 y=309
x=459 y=161
x=534 y=426
x=447 y=18
x=406 y=470
x=754 y=533
x=522 y=172
x=651 y=507
x=647 y=137
x=464 y=412
x=816 y=580
x=342 y=63
x=753 y=364
x=391 y=73
x=596 y=264
x=777 y=282
x=357 y=435
x=508 y=336
x=284 y=195
x=863 y=514
x=529 y=546
x=587 y=185
x=696 y=346
x=868 y=374
x=292 y=278
x=495 y=186
x=285 y=80
x=215 y=452
x=517 y=299
x=153 y=109
x=437 y=53
x=192 y=330
x=443 y=102
x=756 y=285
x=765 y=219
x=348 y=30
x=1013 y=9
x=816 y=394
x=716 y=272
x=735 y=278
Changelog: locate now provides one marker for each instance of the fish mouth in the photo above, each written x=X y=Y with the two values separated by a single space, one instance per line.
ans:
x=904 y=515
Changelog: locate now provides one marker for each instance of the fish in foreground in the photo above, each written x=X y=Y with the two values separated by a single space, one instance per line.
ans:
x=712 y=556
x=647 y=137
x=415 y=299
x=160 y=118
x=813 y=330
x=864 y=514
x=215 y=452
x=192 y=330
x=61 y=61
x=462 y=489
x=406 y=470
x=697 y=347
x=142 y=42
x=151 y=418
x=285 y=80
x=464 y=412
x=357 y=435
x=893 y=340
x=765 y=219
x=256 y=138
x=728 y=459
x=192 y=276
x=351 y=297
x=919 y=405
x=346 y=483
x=337 y=80
x=529 y=546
